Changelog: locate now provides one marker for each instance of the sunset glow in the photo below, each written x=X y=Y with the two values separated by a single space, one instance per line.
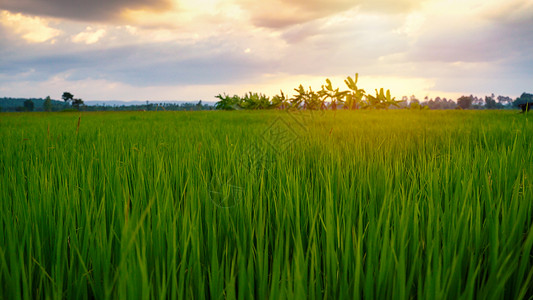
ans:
x=189 y=50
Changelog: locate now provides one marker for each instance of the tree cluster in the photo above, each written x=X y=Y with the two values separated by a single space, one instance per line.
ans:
x=332 y=98
x=69 y=98
x=327 y=97
x=23 y=104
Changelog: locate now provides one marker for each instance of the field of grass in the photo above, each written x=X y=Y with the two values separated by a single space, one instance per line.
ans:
x=269 y=205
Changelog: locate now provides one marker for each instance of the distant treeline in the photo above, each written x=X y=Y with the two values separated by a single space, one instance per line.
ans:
x=329 y=97
x=26 y=104
x=151 y=107
x=261 y=101
x=38 y=104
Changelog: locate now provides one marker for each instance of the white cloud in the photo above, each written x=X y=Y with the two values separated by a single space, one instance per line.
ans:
x=89 y=36
x=31 y=29
x=412 y=25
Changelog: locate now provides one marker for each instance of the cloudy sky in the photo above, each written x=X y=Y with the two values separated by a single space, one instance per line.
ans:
x=190 y=50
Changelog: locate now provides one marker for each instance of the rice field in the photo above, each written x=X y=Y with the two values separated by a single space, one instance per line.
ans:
x=266 y=204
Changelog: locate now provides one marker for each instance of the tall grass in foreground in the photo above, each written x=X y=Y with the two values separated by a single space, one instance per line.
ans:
x=388 y=204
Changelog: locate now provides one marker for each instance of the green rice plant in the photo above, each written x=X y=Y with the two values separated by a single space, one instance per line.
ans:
x=176 y=205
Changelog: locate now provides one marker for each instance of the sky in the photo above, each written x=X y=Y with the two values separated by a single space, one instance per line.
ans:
x=193 y=50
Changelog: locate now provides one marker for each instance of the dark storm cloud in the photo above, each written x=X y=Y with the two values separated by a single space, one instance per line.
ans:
x=93 y=10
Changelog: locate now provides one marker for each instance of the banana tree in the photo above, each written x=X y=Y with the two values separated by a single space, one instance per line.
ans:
x=255 y=101
x=314 y=101
x=226 y=102
x=382 y=100
x=354 y=96
x=264 y=101
x=336 y=96
x=297 y=100
x=280 y=101
x=249 y=101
